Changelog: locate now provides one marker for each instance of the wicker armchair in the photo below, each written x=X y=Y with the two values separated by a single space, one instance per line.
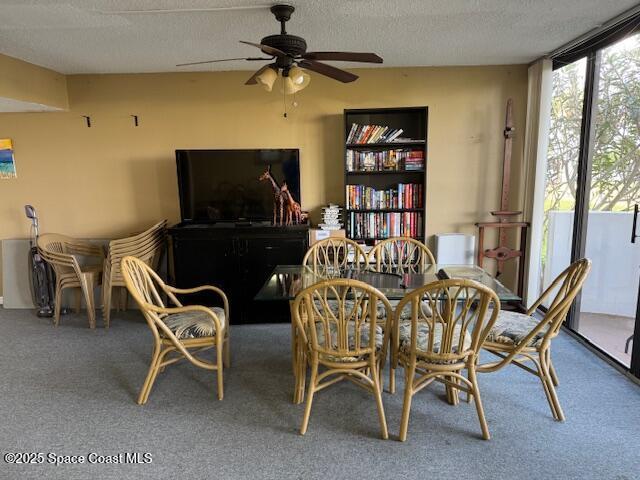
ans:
x=518 y=338
x=337 y=323
x=183 y=330
x=335 y=253
x=439 y=344
x=400 y=253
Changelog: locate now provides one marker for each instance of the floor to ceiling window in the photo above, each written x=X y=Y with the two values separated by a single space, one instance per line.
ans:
x=592 y=187
x=610 y=295
x=562 y=169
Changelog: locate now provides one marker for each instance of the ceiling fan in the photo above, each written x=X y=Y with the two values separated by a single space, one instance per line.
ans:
x=291 y=59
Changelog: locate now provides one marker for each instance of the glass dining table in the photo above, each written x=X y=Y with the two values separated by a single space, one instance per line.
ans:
x=286 y=281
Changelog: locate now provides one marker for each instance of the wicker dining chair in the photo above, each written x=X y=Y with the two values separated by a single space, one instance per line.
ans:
x=178 y=329
x=62 y=253
x=520 y=337
x=147 y=246
x=335 y=253
x=337 y=321
x=441 y=344
x=403 y=253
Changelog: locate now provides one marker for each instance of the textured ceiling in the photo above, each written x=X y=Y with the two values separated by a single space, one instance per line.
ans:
x=80 y=36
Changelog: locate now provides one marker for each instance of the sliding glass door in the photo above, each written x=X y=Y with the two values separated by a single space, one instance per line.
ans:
x=592 y=189
x=610 y=295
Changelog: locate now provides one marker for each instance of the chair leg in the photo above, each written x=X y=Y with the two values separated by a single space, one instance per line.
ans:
x=452 y=393
x=220 y=370
x=545 y=387
x=312 y=389
x=106 y=305
x=476 y=397
x=151 y=377
x=57 y=307
x=124 y=297
x=392 y=378
x=393 y=364
x=469 y=394
x=549 y=388
x=406 y=406
x=87 y=289
x=301 y=363
x=227 y=353
x=552 y=370
x=377 y=391
x=554 y=375
x=77 y=306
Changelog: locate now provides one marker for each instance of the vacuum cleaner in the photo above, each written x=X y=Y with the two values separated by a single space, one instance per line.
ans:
x=41 y=274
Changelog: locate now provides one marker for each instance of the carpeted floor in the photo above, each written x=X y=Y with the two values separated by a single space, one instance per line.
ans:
x=72 y=391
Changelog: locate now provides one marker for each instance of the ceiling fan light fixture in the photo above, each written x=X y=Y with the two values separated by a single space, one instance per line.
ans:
x=297 y=80
x=267 y=78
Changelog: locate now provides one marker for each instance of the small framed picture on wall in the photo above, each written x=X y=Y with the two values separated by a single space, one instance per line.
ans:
x=7 y=160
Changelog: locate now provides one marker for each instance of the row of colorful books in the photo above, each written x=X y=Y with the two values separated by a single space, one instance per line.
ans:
x=398 y=159
x=372 y=134
x=384 y=225
x=414 y=162
x=362 y=197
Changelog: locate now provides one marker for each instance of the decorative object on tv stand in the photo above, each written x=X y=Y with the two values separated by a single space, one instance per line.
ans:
x=289 y=56
x=278 y=199
x=331 y=217
x=294 y=212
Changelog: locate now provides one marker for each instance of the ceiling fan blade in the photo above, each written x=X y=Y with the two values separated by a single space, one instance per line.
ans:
x=267 y=49
x=252 y=80
x=183 y=10
x=343 y=56
x=328 y=71
x=251 y=59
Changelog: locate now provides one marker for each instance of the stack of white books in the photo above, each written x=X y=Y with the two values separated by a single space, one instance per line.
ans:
x=331 y=216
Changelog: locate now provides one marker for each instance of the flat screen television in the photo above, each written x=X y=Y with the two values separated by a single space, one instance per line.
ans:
x=225 y=185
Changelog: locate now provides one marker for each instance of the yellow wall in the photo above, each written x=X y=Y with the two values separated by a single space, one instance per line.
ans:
x=26 y=82
x=114 y=178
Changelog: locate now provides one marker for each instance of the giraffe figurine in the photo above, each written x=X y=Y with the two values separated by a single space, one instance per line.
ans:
x=278 y=200
x=294 y=212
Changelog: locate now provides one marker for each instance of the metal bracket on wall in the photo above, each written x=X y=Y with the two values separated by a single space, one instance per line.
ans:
x=135 y=120
x=88 y=119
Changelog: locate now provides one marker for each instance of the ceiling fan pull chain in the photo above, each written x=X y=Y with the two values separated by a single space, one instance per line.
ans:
x=284 y=99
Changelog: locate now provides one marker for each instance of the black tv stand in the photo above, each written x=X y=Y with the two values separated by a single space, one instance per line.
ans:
x=237 y=257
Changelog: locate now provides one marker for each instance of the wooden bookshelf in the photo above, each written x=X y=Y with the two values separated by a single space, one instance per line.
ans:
x=384 y=178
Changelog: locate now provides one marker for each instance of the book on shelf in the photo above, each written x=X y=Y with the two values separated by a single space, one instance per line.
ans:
x=380 y=225
x=401 y=159
x=404 y=196
x=372 y=134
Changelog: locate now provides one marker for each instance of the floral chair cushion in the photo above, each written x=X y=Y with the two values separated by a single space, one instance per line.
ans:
x=422 y=337
x=364 y=339
x=382 y=312
x=512 y=327
x=348 y=306
x=406 y=311
x=193 y=324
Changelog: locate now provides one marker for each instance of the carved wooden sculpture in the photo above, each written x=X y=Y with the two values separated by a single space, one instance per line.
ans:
x=278 y=200
x=294 y=212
